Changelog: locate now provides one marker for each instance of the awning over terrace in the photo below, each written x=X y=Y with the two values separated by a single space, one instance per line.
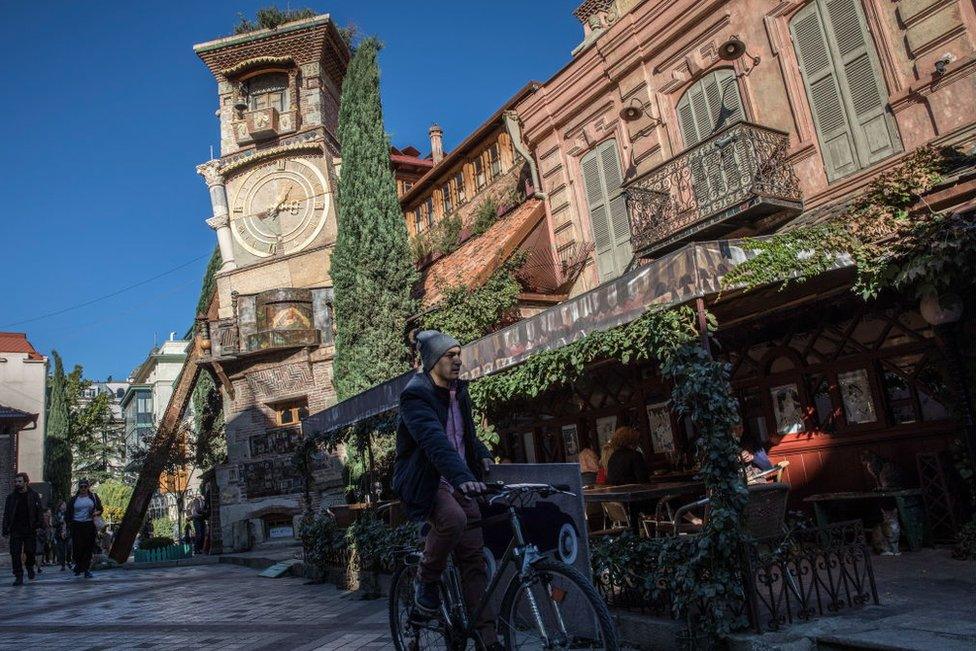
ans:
x=691 y=272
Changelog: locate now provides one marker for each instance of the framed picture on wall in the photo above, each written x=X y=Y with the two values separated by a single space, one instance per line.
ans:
x=604 y=429
x=571 y=442
x=662 y=434
x=855 y=391
x=787 y=409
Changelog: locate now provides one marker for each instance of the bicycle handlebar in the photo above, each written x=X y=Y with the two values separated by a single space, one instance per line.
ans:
x=498 y=490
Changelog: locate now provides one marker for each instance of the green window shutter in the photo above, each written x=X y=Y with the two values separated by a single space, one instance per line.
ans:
x=599 y=218
x=623 y=252
x=608 y=210
x=865 y=93
x=823 y=90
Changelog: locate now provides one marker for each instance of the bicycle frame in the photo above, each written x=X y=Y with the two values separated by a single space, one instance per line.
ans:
x=519 y=553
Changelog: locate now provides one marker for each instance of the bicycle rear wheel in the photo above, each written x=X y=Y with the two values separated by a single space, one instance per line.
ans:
x=556 y=607
x=410 y=630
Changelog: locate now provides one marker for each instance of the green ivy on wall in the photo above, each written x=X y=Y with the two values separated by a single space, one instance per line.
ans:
x=467 y=314
x=890 y=248
x=654 y=335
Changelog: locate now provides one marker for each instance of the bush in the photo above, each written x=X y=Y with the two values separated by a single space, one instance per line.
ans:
x=446 y=234
x=271 y=18
x=420 y=248
x=321 y=538
x=157 y=542
x=115 y=498
x=485 y=216
x=965 y=547
x=162 y=527
x=377 y=545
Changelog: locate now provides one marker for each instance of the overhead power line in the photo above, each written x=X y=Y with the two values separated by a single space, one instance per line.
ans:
x=106 y=296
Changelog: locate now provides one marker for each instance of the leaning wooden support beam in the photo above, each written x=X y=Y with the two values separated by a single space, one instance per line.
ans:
x=166 y=435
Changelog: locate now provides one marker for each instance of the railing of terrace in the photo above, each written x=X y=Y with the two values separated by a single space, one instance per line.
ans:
x=740 y=171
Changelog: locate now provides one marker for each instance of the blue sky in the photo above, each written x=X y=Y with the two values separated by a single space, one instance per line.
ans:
x=106 y=111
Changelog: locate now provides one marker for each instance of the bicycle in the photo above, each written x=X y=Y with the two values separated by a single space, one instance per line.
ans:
x=546 y=605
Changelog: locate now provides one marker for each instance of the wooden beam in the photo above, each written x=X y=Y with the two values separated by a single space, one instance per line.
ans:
x=167 y=435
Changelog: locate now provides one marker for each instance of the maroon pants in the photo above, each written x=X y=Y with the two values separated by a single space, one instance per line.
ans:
x=449 y=533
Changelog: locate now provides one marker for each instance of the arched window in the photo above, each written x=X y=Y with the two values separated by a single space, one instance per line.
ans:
x=711 y=103
x=268 y=91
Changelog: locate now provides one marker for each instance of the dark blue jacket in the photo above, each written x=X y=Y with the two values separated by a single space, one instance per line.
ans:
x=423 y=453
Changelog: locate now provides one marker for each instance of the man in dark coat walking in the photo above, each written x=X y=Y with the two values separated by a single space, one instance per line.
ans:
x=22 y=516
x=440 y=464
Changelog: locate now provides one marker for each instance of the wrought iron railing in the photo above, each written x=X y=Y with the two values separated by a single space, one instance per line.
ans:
x=710 y=182
x=803 y=574
x=811 y=572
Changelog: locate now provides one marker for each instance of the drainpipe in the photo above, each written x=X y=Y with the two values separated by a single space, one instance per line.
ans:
x=514 y=130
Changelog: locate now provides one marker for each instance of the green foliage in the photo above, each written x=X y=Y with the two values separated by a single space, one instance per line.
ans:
x=375 y=544
x=321 y=539
x=485 y=215
x=271 y=17
x=115 y=498
x=208 y=414
x=157 y=542
x=57 y=444
x=890 y=248
x=445 y=236
x=655 y=335
x=704 y=569
x=965 y=546
x=209 y=285
x=163 y=528
x=420 y=248
x=468 y=315
x=371 y=268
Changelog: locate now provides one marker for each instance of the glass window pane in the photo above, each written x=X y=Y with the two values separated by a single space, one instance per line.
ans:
x=823 y=405
x=855 y=390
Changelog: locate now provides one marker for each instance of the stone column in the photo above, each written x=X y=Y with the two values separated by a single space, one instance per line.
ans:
x=220 y=221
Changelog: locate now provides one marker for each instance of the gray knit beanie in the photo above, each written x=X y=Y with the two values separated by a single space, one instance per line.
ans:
x=432 y=345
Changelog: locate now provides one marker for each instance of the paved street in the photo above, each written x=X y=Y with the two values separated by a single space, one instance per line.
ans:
x=206 y=607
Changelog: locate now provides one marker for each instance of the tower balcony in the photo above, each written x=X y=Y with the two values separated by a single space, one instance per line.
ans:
x=264 y=123
x=720 y=185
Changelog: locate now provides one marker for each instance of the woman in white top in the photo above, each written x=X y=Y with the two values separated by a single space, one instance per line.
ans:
x=80 y=517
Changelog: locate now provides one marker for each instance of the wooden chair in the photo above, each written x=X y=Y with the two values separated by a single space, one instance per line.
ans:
x=616 y=514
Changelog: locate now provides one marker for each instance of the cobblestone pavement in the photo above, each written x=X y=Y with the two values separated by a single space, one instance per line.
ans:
x=205 y=607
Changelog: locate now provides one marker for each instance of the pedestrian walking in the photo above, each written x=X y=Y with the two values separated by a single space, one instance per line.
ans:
x=80 y=514
x=199 y=519
x=22 y=517
x=60 y=532
x=44 y=539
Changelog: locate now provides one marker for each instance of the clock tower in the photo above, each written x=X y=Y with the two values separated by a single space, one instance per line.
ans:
x=271 y=332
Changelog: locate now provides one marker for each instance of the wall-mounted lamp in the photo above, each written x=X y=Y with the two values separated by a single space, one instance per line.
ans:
x=942 y=62
x=734 y=48
x=633 y=111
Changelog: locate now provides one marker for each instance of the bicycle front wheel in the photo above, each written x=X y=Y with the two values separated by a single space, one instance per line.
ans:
x=555 y=607
x=410 y=630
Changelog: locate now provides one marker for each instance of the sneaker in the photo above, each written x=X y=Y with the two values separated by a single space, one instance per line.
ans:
x=62 y=568
x=30 y=573
x=428 y=597
x=88 y=575
x=18 y=580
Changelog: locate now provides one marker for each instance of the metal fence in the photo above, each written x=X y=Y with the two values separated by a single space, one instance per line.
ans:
x=807 y=573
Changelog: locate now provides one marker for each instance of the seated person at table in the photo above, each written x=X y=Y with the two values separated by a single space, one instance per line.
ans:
x=754 y=459
x=589 y=465
x=626 y=464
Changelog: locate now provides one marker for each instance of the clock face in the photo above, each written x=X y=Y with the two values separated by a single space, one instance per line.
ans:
x=279 y=207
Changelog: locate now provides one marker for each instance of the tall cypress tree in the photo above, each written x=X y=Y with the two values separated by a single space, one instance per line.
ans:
x=57 y=446
x=372 y=271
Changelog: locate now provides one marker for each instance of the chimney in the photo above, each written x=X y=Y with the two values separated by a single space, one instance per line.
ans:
x=436 y=143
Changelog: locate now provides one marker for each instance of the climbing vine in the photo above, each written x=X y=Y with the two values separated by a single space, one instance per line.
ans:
x=655 y=335
x=469 y=314
x=889 y=245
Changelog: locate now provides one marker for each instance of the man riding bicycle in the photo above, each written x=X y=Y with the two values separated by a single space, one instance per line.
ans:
x=439 y=466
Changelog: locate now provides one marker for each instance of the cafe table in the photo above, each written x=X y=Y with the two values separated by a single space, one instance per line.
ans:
x=632 y=495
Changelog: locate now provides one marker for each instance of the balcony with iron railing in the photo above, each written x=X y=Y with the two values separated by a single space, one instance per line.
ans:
x=718 y=186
